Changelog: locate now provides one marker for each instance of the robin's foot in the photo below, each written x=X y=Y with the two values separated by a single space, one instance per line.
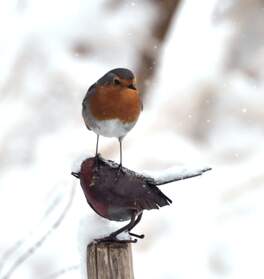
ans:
x=97 y=162
x=141 y=236
x=120 y=170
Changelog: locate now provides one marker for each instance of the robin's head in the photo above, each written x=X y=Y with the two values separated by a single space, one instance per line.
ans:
x=119 y=78
x=115 y=96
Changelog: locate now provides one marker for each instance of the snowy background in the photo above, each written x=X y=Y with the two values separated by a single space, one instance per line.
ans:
x=201 y=69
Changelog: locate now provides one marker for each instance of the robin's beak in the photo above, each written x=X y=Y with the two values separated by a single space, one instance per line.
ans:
x=132 y=86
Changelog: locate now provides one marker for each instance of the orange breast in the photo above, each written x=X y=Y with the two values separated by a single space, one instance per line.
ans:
x=110 y=103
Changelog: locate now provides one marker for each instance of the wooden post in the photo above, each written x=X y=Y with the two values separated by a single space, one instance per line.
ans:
x=109 y=260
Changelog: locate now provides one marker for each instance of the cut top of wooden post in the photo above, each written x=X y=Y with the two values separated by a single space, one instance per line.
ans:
x=109 y=260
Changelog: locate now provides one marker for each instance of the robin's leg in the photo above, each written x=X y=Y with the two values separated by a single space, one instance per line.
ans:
x=96 y=154
x=97 y=144
x=120 y=149
x=120 y=167
x=135 y=223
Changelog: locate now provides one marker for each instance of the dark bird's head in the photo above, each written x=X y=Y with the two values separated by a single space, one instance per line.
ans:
x=119 y=78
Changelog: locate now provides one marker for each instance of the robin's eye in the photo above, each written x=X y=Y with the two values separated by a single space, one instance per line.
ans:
x=117 y=81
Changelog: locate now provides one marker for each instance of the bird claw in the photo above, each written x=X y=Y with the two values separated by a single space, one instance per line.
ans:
x=97 y=156
x=120 y=170
x=97 y=159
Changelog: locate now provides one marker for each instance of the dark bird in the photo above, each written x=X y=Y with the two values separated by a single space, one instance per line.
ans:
x=119 y=200
x=112 y=105
x=126 y=198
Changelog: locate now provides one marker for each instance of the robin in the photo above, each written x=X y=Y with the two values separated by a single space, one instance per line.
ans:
x=112 y=105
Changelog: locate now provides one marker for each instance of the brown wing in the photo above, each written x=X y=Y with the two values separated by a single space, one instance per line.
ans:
x=90 y=91
x=141 y=102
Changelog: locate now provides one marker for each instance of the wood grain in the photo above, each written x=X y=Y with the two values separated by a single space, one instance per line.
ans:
x=109 y=260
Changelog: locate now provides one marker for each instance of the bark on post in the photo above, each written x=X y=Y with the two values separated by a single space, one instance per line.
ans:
x=109 y=260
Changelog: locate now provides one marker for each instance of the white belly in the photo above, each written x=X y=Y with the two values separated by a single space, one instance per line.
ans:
x=112 y=128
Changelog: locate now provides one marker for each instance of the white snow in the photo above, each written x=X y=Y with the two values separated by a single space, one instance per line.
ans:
x=199 y=111
x=175 y=173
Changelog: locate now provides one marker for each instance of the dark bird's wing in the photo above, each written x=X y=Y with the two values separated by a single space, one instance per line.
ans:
x=142 y=195
x=129 y=190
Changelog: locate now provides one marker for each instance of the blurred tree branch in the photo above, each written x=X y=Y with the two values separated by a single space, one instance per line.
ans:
x=245 y=52
x=150 y=54
x=63 y=272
